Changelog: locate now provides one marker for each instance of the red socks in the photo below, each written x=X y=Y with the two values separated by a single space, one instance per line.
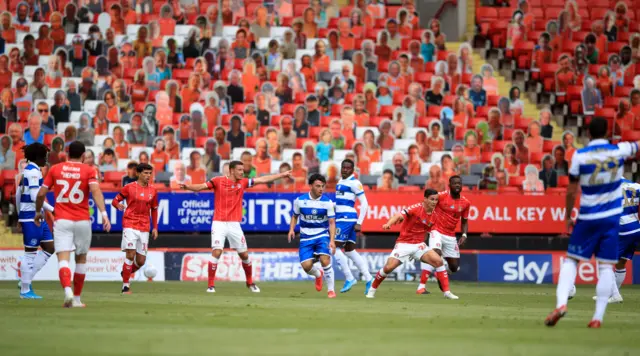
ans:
x=126 y=272
x=212 y=273
x=443 y=278
x=376 y=281
x=248 y=271
x=65 y=277
x=424 y=276
x=78 y=283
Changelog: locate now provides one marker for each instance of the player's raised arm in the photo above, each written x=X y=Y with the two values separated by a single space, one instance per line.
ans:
x=294 y=221
x=271 y=178
x=195 y=187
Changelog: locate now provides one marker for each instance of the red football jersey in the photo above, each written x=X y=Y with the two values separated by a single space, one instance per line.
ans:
x=227 y=197
x=417 y=223
x=140 y=201
x=69 y=182
x=449 y=211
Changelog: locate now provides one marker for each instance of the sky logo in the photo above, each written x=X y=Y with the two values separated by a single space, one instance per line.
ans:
x=521 y=268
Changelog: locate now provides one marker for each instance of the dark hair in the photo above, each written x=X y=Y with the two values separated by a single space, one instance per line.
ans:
x=429 y=192
x=285 y=164
x=143 y=167
x=132 y=165
x=28 y=37
x=591 y=38
x=34 y=151
x=297 y=154
x=348 y=161
x=235 y=164
x=244 y=154
x=598 y=128
x=454 y=177
x=109 y=152
x=76 y=150
x=317 y=176
x=387 y=171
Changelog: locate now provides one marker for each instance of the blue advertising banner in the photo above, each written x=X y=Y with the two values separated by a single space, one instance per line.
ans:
x=189 y=212
x=285 y=266
x=515 y=268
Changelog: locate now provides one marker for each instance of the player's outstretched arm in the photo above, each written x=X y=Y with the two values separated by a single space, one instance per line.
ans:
x=271 y=178
x=98 y=198
x=398 y=218
x=42 y=194
x=194 y=187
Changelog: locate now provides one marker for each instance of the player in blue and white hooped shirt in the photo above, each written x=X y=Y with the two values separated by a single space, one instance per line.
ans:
x=629 y=235
x=317 y=232
x=34 y=236
x=349 y=223
x=597 y=169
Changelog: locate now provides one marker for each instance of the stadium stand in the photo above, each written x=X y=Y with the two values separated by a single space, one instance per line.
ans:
x=189 y=85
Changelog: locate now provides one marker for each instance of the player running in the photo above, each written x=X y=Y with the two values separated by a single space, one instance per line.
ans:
x=71 y=182
x=597 y=169
x=629 y=236
x=228 y=192
x=451 y=208
x=142 y=202
x=33 y=235
x=417 y=220
x=349 y=223
x=317 y=232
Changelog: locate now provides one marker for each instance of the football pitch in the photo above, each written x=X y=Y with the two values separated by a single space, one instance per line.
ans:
x=291 y=318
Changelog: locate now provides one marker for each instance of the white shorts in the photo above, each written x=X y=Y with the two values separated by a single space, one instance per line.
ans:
x=69 y=235
x=223 y=230
x=134 y=239
x=447 y=244
x=407 y=252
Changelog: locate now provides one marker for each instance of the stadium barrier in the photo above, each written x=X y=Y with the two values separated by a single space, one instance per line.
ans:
x=190 y=265
x=271 y=212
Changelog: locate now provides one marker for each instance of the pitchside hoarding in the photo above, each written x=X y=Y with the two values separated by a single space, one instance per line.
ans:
x=271 y=212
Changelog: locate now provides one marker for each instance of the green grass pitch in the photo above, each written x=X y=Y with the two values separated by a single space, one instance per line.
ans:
x=173 y=318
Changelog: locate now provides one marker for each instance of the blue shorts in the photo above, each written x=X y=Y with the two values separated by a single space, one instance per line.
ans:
x=595 y=237
x=346 y=231
x=310 y=249
x=628 y=245
x=34 y=235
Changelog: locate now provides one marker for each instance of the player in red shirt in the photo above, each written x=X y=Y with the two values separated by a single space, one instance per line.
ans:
x=451 y=209
x=417 y=221
x=228 y=192
x=71 y=182
x=142 y=202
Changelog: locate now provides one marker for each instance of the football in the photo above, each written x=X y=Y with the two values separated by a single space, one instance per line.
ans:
x=150 y=271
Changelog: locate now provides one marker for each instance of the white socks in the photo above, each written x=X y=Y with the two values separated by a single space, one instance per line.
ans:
x=343 y=262
x=566 y=280
x=620 y=275
x=329 y=278
x=41 y=259
x=604 y=289
x=314 y=272
x=26 y=271
x=360 y=263
x=427 y=267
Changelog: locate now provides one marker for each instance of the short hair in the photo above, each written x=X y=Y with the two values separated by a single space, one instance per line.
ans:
x=591 y=38
x=349 y=162
x=76 y=150
x=315 y=177
x=108 y=152
x=387 y=171
x=429 y=192
x=454 y=177
x=598 y=128
x=132 y=165
x=142 y=167
x=246 y=153
x=297 y=154
x=235 y=164
x=34 y=151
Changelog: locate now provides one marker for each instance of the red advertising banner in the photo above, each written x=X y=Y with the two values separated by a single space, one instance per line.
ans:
x=523 y=214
